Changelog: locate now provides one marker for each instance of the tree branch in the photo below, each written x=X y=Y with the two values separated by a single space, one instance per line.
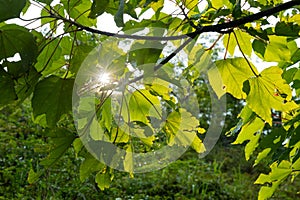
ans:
x=247 y=19
x=210 y=28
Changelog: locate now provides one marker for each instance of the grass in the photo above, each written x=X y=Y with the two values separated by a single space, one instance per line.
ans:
x=223 y=174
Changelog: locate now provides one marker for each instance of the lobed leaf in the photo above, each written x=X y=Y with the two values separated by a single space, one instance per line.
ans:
x=52 y=97
x=11 y=9
x=269 y=90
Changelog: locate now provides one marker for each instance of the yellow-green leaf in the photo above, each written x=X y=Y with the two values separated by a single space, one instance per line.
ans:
x=229 y=43
x=269 y=90
x=190 y=4
x=103 y=180
x=233 y=73
x=250 y=131
x=277 y=49
x=181 y=128
x=128 y=161
x=244 y=40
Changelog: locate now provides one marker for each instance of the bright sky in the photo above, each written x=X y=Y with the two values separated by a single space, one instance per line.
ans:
x=106 y=23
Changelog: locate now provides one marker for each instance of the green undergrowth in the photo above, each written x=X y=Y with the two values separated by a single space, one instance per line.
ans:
x=223 y=174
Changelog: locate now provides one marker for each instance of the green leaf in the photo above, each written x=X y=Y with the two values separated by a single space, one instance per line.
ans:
x=278 y=172
x=271 y=143
x=160 y=88
x=282 y=52
x=263 y=154
x=287 y=29
x=128 y=161
x=15 y=39
x=119 y=15
x=88 y=166
x=62 y=140
x=250 y=131
x=70 y=4
x=259 y=48
x=25 y=84
x=11 y=9
x=7 y=90
x=229 y=43
x=50 y=59
x=158 y=5
x=48 y=2
x=266 y=192
x=181 y=128
x=33 y=176
x=103 y=180
x=269 y=90
x=277 y=175
x=81 y=15
x=106 y=115
x=53 y=97
x=289 y=74
x=220 y=3
x=142 y=104
x=145 y=52
x=98 y=8
x=233 y=73
x=190 y=4
x=244 y=39
x=96 y=131
x=199 y=59
x=80 y=53
x=119 y=135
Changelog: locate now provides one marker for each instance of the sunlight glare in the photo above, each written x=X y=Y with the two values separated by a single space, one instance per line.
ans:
x=104 y=78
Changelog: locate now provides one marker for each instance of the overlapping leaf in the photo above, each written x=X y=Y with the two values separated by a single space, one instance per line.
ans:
x=278 y=174
x=269 y=90
x=8 y=93
x=11 y=9
x=181 y=129
x=233 y=72
x=52 y=97
x=16 y=39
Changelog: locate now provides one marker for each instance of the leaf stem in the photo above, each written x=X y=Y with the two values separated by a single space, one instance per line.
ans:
x=244 y=55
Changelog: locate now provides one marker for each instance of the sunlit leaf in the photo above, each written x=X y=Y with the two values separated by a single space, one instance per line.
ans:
x=50 y=59
x=243 y=39
x=190 y=4
x=279 y=173
x=143 y=104
x=181 y=128
x=128 y=161
x=250 y=131
x=282 y=52
x=269 y=90
x=103 y=180
x=233 y=72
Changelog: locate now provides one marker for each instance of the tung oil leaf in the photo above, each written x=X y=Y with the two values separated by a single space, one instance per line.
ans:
x=233 y=73
x=11 y=9
x=52 y=97
x=269 y=90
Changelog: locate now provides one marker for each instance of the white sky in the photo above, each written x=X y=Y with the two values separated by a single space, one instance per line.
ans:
x=106 y=23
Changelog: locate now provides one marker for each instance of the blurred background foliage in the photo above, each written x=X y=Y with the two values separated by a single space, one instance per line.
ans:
x=223 y=174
